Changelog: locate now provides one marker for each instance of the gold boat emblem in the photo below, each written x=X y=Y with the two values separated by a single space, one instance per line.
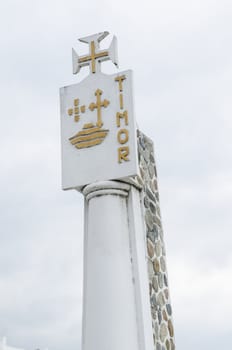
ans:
x=90 y=136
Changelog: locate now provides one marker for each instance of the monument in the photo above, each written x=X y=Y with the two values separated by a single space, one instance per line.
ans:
x=126 y=301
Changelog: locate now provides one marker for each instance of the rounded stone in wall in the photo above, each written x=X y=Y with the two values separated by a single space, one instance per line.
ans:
x=150 y=249
x=142 y=163
x=141 y=142
x=170 y=328
x=156 y=265
x=162 y=264
x=150 y=269
x=152 y=208
x=169 y=309
x=159 y=316
x=153 y=301
x=146 y=202
x=167 y=343
x=150 y=195
x=172 y=344
x=155 y=184
x=165 y=280
x=152 y=186
x=152 y=159
x=166 y=293
x=157 y=196
x=151 y=170
x=155 y=284
x=154 y=313
x=158 y=211
x=156 y=327
x=160 y=299
x=163 y=332
x=146 y=155
x=158 y=248
x=160 y=280
x=157 y=220
x=146 y=176
x=165 y=317
x=153 y=234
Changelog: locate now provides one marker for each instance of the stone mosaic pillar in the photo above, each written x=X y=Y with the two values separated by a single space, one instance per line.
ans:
x=161 y=310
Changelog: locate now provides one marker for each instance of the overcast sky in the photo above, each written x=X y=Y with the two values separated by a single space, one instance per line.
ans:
x=181 y=55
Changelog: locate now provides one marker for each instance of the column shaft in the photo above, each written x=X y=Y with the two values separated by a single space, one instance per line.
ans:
x=112 y=310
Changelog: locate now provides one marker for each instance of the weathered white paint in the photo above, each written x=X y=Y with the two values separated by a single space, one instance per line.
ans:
x=116 y=310
x=84 y=166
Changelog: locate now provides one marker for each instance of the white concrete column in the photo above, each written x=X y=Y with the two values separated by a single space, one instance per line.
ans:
x=116 y=308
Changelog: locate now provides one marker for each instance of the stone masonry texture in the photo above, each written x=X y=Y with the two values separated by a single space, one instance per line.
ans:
x=161 y=310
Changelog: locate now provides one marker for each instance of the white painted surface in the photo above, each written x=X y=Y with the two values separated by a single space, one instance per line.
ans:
x=84 y=166
x=116 y=310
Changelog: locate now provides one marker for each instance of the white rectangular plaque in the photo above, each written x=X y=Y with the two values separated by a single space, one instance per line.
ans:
x=98 y=130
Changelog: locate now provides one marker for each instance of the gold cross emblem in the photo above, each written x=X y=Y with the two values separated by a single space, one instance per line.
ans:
x=76 y=110
x=98 y=105
x=95 y=56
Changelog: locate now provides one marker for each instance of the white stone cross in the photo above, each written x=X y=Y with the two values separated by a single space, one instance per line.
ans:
x=95 y=56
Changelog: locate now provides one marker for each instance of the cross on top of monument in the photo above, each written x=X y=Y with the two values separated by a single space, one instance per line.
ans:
x=95 y=56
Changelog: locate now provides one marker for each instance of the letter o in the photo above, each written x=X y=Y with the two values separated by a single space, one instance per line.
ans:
x=123 y=136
